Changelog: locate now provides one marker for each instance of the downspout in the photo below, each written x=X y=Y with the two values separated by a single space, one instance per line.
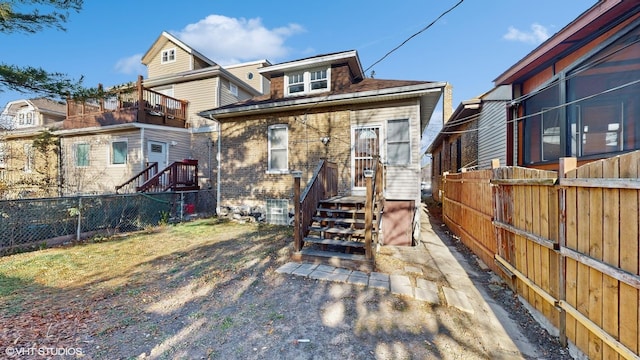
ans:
x=142 y=164
x=218 y=155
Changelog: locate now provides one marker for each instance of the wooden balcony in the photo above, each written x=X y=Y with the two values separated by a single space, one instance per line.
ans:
x=130 y=105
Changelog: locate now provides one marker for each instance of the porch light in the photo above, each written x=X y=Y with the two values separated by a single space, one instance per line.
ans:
x=368 y=173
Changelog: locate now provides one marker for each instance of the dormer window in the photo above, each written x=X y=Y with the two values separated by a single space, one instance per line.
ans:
x=305 y=82
x=168 y=55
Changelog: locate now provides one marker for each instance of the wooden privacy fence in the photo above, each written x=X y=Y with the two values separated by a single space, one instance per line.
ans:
x=568 y=241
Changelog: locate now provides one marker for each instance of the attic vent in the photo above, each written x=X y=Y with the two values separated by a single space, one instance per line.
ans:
x=277 y=211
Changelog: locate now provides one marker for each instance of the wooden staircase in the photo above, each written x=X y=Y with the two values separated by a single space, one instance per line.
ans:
x=336 y=235
x=179 y=176
x=340 y=231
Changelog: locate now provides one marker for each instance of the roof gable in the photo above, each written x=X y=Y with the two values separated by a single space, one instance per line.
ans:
x=162 y=40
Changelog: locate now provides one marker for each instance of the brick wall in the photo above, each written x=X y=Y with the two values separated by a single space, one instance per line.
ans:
x=244 y=178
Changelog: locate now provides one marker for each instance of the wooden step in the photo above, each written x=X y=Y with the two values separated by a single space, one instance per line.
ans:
x=338 y=219
x=339 y=231
x=340 y=211
x=341 y=260
x=323 y=241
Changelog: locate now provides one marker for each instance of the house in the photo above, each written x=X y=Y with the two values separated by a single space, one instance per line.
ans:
x=28 y=151
x=472 y=137
x=112 y=143
x=322 y=109
x=576 y=95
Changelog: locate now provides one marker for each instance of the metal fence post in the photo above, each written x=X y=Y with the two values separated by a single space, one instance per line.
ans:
x=79 y=228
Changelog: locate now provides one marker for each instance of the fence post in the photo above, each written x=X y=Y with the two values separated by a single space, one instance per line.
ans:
x=79 y=227
x=565 y=165
x=296 y=211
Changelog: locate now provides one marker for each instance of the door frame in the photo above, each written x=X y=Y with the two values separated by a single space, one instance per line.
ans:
x=360 y=191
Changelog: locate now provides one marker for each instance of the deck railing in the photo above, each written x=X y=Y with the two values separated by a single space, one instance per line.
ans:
x=130 y=104
x=323 y=184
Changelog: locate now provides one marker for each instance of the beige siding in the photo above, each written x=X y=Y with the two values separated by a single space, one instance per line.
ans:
x=100 y=176
x=201 y=94
x=157 y=68
x=257 y=81
x=178 y=143
x=403 y=182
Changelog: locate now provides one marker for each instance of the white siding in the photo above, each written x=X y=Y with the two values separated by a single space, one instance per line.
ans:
x=402 y=182
x=492 y=133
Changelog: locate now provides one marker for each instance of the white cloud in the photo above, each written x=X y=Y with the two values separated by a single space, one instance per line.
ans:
x=536 y=35
x=228 y=40
x=130 y=65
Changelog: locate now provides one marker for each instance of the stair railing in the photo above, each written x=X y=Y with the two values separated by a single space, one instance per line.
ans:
x=323 y=184
x=140 y=178
x=180 y=174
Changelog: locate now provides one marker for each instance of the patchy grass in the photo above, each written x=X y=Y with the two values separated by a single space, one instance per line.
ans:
x=109 y=285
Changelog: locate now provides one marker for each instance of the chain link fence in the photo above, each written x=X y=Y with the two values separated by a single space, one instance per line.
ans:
x=33 y=223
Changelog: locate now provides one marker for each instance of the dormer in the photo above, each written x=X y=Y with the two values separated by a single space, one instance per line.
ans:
x=31 y=113
x=314 y=76
x=168 y=55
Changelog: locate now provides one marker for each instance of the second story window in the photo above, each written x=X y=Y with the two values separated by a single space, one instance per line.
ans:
x=304 y=82
x=168 y=55
x=296 y=83
x=233 y=88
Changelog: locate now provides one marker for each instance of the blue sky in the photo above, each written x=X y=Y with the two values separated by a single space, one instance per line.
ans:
x=468 y=47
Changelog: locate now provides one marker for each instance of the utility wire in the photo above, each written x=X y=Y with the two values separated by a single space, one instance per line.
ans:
x=414 y=35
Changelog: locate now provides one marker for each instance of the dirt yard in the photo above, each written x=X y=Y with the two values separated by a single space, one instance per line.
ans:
x=209 y=290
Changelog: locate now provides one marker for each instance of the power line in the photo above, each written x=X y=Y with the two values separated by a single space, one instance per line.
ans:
x=414 y=35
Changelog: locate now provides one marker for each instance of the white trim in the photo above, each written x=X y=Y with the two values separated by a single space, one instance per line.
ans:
x=386 y=138
x=360 y=190
x=306 y=81
x=269 y=169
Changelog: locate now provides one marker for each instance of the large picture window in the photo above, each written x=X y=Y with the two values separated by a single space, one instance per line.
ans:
x=398 y=142
x=278 y=139
x=118 y=152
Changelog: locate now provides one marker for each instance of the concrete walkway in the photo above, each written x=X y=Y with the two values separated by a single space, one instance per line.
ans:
x=500 y=335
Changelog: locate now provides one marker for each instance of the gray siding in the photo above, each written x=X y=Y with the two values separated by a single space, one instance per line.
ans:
x=492 y=133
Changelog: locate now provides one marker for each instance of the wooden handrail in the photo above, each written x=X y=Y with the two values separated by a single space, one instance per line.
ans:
x=141 y=177
x=373 y=207
x=179 y=174
x=323 y=184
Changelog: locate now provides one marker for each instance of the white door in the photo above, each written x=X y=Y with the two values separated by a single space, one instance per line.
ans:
x=364 y=151
x=157 y=152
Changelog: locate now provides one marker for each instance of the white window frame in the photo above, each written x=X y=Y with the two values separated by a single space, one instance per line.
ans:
x=391 y=142
x=75 y=153
x=168 y=56
x=111 y=154
x=307 y=82
x=233 y=89
x=271 y=170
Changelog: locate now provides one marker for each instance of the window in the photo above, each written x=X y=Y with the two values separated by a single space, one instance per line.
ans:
x=278 y=139
x=30 y=118
x=3 y=156
x=296 y=83
x=168 y=55
x=398 y=142
x=82 y=155
x=21 y=119
x=28 y=158
x=233 y=88
x=307 y=81
x=318 y=79
x=118 y=152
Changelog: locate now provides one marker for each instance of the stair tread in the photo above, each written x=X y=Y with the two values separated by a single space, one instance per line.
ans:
x=336 y=230
x=338 y=219
x=348 y=211
x=318 y=240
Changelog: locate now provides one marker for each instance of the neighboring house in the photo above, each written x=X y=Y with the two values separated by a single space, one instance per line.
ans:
x=472 y=137
x=108 y=141
x=28 y=152
x=323 y=107
x=576 y=95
